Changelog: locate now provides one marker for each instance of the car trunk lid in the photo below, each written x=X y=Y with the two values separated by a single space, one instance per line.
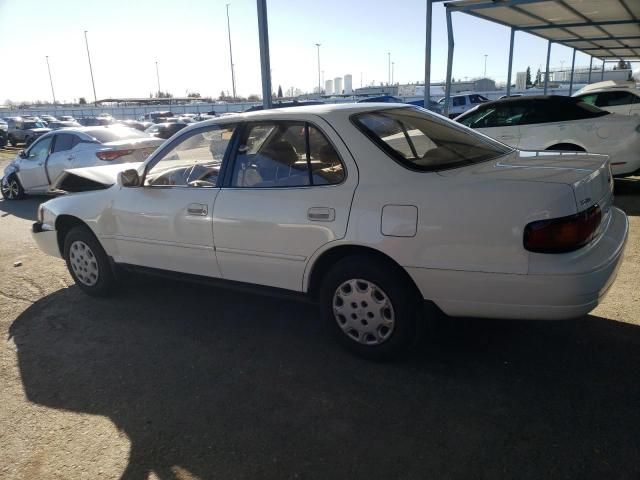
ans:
x=132 y=150
x=588 y=174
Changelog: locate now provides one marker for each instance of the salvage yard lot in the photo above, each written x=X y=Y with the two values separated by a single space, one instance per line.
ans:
x=171 y=380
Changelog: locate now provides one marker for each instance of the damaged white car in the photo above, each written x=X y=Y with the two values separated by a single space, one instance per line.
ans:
x=37 y=168
x=370 y=209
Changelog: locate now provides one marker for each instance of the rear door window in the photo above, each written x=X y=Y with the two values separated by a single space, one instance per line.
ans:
x=495 y=116
x=459 y=101
x=64 y=142
x=285 y=154
x=613 y=99
x=424 y=142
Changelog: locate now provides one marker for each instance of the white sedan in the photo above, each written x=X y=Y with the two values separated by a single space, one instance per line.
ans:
x=560 y=123
x=625 y=101
x=36 y=169
x=371 y=209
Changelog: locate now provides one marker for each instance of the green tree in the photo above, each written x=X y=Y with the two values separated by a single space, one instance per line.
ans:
x=528 y=77
x=82 y=101
x=279 y=91
x=538 y=77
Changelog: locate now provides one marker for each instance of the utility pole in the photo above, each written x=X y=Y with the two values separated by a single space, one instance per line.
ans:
x=265 y=68
x=95 y=98
x=158 y=78
x=233 y=75
x=393 y=64
x=485 y=66
x=389 y=66
x=51 y=81
x=319 y=87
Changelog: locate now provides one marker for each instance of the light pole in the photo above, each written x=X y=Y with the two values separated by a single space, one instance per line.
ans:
x=158 y=78
x=95 y=98
x=51 y=81
x=485 y=66
x=393 y=64
x=389 y=66
x=319 y=87
x=233 y=75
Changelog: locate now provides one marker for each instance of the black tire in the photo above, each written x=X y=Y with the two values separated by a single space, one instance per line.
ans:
x=83 y=252
x=12 y=141
x=11 y=188
x=393 y=285
x=28 y=141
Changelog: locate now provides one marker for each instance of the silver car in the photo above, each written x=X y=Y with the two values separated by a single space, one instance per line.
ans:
x=36 y=169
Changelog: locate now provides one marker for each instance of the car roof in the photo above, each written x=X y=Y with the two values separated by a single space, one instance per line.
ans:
x=528 y=98
x=609 y=89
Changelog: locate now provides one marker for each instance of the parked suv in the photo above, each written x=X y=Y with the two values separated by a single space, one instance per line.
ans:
x=462 y=103
x=24 y=131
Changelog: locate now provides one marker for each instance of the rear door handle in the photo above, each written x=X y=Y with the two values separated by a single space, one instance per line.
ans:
x=321 y=214
x=197 y=209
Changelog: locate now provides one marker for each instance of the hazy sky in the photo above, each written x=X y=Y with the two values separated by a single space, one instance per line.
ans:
x=189 y=40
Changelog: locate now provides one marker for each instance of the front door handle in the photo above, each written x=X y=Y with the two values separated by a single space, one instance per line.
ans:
x=321 y=214
x=70 y=157
x=197 y=209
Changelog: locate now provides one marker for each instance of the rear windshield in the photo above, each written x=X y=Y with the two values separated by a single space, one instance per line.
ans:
x=113 y=134
x=424 y=142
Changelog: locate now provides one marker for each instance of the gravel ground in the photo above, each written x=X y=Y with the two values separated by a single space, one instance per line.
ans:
x=176 y=381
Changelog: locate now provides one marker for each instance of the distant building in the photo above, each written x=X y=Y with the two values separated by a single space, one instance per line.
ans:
x=348 y=81
x=328 y=87
x=581 y=75
x=521 y=81
x=337 y=86
x=378 y=90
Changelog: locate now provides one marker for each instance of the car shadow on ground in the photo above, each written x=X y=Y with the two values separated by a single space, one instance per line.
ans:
x=230 y=385
x=26 y=208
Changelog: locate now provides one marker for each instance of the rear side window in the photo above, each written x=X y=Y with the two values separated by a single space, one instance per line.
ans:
x=564 y=111
x=494 y=116
x=64 y=142
x=424 y=142
x=459 y=101
x=285 y=154
x=613 y=99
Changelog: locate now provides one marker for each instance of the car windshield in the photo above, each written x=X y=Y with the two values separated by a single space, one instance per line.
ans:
x=26 y=125
x=104 y=135
x=422 y=141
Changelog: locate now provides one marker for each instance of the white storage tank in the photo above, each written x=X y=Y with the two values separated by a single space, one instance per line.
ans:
x=348 y=84
x=337 y=86
x=328 y=87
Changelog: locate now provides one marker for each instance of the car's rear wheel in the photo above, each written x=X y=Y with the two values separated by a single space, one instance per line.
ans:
x=370 y=307
x=88 y=263
x=11 y=188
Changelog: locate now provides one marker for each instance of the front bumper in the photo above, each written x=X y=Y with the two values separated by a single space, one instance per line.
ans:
x=46 y=240
x=537 y=296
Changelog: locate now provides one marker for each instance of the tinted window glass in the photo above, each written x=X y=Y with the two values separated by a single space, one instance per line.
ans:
x=612 y=99
x=590 y=99
x=459 y=101
x=272 y=155
x=424 y=142
x=27 y=125
x=194 y=162
x=64 y=142
x=494 y=116
x=551 y=111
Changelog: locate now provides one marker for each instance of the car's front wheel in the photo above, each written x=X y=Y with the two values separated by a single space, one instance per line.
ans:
x=11 y=188
x=12 y=140
x=88 y=262
x=371 y=307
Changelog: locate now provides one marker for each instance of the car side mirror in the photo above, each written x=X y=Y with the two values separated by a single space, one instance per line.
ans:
x=22 y=154
x=128 y=178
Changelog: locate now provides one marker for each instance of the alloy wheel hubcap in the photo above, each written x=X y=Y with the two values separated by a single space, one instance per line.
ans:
x=10 y=189
x=83 y=263
x=363 y=312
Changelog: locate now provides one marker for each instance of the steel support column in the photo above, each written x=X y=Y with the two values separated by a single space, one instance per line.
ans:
x=265 y=64
x=602 y=72
x=590 y=68
x=427 y=57
x=447 y=93
x=573 y=66
x=510 y=62
x=546 y=72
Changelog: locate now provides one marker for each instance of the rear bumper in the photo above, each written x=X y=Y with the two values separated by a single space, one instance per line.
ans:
x=554 y=296
x=46 y=240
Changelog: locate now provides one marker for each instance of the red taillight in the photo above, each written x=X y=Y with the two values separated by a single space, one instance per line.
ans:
x=112 y=154
x=564 y=234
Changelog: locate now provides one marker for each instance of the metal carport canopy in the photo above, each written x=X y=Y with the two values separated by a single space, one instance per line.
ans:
x=605 y=29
